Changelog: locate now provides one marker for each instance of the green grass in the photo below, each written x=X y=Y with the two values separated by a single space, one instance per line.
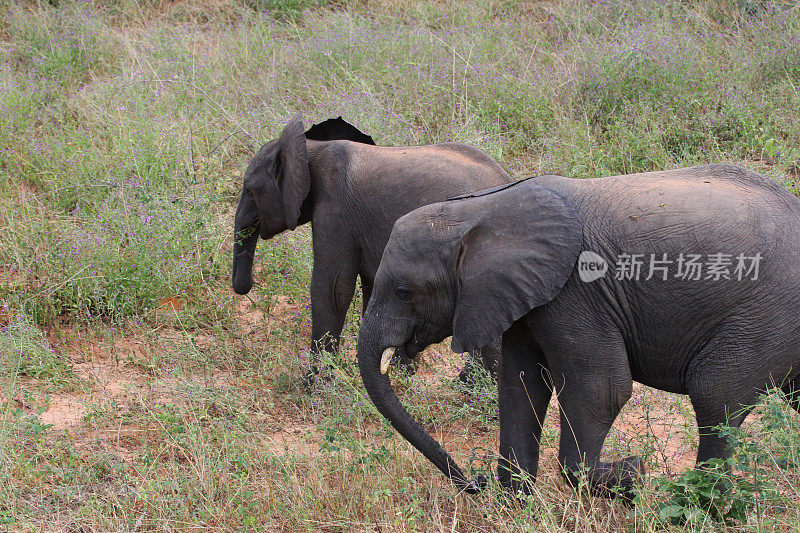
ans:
x=125 y=128
x=25 y=352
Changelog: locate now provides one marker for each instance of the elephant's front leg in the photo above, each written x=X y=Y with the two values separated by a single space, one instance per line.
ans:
x=333 y=282
x=487 y=358
x=590 y=397
x=524 y=393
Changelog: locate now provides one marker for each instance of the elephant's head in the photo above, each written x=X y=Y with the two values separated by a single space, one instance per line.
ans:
x=276 y=184
x=468 y=267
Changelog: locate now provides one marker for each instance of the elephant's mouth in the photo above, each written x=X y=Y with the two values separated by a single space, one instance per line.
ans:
x=266 y=232
x=423 y=334
x=411 y=351
x=406 y=355
x=244 y=234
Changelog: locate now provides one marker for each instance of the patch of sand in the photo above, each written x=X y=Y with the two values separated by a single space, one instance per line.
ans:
x=250 y=318
x=282 y=306
x=64 y=411
x=299 y=438
x=110 y=374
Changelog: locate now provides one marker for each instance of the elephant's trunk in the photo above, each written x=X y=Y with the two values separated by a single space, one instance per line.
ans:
x=372 y=363
x=244 y=245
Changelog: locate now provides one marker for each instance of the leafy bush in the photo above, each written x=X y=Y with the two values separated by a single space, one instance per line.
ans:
x=24 y=351
x=703 y=494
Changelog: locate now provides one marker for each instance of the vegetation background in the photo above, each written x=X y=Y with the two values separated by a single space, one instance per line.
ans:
x=138 y=393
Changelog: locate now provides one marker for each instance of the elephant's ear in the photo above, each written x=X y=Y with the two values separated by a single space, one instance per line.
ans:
x=335 y=129
x=517 y=256
x=294 y=176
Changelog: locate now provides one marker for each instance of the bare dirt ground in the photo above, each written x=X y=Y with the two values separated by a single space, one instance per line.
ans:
x=111 y=377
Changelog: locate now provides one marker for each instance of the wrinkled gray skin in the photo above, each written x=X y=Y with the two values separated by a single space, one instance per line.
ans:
x=352 y=192
x=505 y=262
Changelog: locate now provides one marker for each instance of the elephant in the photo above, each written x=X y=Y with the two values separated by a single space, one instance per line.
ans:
x=550 y=264
x=352 y=192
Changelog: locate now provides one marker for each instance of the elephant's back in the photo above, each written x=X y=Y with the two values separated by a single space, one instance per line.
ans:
x=396 y=180
x=701 y=189
x=386 y=183
x=446 y=166
x=713 y=206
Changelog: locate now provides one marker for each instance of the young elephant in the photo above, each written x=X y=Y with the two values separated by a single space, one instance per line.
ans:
x=705 y=301
x=353 y=192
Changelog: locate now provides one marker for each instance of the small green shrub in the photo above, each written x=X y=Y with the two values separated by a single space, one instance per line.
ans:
x=284 y=9
x=25 y=351
x=705 y=494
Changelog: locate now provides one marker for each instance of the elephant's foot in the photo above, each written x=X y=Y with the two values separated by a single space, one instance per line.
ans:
x=609 y=480
x=316 y=377
x=514 y=481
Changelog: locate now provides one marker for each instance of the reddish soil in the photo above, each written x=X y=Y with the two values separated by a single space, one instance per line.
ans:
x=109 y=375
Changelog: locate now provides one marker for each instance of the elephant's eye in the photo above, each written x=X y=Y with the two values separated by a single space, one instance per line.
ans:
x=403 y=293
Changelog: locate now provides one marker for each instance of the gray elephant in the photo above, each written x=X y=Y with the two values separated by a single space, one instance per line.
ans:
x=352 y=191
x=684 y=280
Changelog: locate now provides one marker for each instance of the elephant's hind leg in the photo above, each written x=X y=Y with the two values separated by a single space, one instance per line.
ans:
x=524 y=393
x=712 y=412
x=791 y=390
x=723 y=394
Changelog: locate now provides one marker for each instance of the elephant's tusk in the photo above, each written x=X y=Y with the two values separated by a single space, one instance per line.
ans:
x=386 y=358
